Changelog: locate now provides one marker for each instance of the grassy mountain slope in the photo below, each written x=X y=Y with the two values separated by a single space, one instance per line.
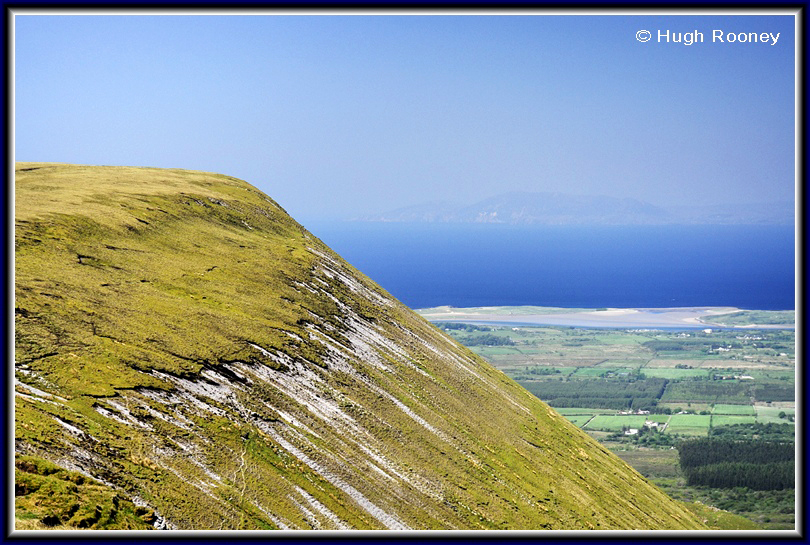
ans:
x=185 y=343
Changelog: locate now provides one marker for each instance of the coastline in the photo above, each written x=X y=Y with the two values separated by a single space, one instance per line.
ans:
x=640 y=318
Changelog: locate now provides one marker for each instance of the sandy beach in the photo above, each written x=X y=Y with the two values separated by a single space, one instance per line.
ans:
x=641 y=318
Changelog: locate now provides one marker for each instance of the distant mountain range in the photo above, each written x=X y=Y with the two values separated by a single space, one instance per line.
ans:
x=565 y=209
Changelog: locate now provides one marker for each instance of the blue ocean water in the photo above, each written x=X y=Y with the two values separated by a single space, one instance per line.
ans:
x=466 y=265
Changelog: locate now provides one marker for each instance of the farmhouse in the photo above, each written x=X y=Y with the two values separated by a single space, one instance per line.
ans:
x=733 y=377
x=661 y=426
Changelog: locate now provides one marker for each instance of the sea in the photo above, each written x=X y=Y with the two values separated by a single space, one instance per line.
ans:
x=469 y=265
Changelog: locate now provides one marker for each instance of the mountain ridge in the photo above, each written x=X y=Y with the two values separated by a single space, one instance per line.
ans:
x=555 y=208
x=183 y=342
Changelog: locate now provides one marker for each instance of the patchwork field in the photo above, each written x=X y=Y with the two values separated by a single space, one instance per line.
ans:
x=730 y=384
x=712 y=377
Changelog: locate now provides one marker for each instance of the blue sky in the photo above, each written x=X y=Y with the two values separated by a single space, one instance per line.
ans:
x=340 y=116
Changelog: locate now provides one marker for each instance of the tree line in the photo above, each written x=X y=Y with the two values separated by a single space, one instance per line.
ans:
x=488 y=339
x=773 y=476
x=456 y=326
x=721 y=463
x=600 y=394
x=770 y=431
x=700 y=452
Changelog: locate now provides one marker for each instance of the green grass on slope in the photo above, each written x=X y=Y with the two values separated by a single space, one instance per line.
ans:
x=47 y=496
x=165 y=287
x=139 y=294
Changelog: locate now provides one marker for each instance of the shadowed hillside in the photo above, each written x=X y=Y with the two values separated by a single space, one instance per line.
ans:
x=188 y=356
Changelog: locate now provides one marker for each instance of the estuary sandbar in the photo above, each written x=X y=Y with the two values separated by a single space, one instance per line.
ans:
x=677 y=317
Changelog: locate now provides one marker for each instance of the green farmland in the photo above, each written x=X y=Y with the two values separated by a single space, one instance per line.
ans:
x=576 y=411
x=731 y=384
x=689 y=424
x=730 y=420
x=746 y=410
x=613 y=423
x=721 y=378
x=772 y=414
x=676 y=374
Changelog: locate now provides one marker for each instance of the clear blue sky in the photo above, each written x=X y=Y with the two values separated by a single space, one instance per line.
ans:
x=339 y=116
